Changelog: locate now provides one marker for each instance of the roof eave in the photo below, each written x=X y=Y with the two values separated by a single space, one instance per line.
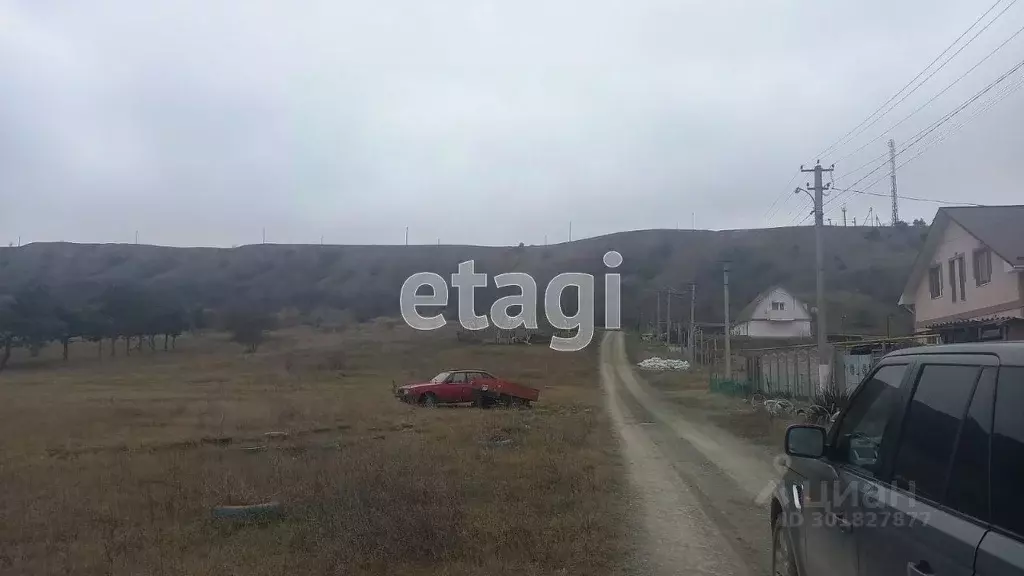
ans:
x=937 y=228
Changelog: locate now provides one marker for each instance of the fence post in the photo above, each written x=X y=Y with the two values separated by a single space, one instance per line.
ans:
x=785 y=378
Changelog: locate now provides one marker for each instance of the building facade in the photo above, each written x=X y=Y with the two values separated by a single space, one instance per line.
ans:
x=967 y=283
x=775 y=313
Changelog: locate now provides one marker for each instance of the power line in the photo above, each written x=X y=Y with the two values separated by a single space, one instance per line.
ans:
x=935 y=125
x=849 y=135
x=988 y=106
x=912 y=198
x=935 y=97
x=864 y=165
x=785 y=193
x=1005 y=93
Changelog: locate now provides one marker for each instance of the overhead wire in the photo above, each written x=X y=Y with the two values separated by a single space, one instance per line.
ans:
x=949 y=116
x=775 y=207
x=1005 y=93
x=769 y=213
x=912 y=198
x=933 y=98
x=864 y=165
x=858 y=129
x=988 y=106
x=874 y=117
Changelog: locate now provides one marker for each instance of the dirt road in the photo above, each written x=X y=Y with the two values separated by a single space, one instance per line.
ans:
x=701 y=491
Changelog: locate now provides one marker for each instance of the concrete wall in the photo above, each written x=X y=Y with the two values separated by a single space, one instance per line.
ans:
x=1000 y=297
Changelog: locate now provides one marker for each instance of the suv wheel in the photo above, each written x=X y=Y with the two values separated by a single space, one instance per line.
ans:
x=783 y=563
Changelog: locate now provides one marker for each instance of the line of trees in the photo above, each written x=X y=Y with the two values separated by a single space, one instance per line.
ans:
x=34 y=318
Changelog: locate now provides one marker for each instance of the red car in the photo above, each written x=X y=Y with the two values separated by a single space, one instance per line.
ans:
x=478 y=387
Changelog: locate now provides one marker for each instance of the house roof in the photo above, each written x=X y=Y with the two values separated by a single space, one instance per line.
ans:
x=747 y=313
x=1001 y=228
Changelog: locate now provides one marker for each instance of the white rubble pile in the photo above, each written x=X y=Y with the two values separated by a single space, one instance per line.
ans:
x=661 y=364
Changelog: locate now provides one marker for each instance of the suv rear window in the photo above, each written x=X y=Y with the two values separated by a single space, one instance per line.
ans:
x=931 y=427
x=1008 y=452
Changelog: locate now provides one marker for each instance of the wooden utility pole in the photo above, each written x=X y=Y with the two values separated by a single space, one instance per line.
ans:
x=657 y=320
x=668 y=316
x=693 y=303
x=728 y=344
x=819 y=259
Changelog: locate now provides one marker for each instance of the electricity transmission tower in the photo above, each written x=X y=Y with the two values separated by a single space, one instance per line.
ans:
x=892 y=176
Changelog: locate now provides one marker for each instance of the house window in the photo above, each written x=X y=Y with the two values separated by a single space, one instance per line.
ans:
x=935 y=280
x=961 y=261
x=982 y=266
x=778 y=306
x=952 y=278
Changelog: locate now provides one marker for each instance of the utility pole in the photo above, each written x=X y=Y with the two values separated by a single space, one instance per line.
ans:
x=668 y=317
x=570 y=230
x=406 y=235
x=844 y=214
x=136 y=237
x=892 y=177
x=819 y=260
x=728 y=344
x=657 y=320
x=264 y=235
x=693 y=302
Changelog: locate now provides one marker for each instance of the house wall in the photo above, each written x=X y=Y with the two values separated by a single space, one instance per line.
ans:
x=1000 y=297
x=773 y=329
x=795 y=310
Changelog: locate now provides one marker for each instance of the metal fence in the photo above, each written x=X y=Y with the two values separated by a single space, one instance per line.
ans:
x=792 y=371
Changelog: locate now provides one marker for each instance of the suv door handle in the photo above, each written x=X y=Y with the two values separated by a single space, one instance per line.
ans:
x=919 y=569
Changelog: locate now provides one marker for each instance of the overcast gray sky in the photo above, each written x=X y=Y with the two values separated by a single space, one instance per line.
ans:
x=200 y=123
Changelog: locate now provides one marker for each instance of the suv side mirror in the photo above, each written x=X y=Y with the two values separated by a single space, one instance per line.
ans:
x=805 y=441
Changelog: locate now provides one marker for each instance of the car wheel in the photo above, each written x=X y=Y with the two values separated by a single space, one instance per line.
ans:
x=429 y=400
x=783 y=563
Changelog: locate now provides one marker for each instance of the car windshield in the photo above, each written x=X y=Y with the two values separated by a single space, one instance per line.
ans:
x=439 y=378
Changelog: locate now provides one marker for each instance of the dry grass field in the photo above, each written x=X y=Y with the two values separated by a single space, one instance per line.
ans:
x=112 y=465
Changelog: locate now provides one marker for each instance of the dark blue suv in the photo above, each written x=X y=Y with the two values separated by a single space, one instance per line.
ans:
x=922 y=473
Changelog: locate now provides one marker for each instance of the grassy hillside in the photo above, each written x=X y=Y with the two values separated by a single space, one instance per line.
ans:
x=866 y=268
